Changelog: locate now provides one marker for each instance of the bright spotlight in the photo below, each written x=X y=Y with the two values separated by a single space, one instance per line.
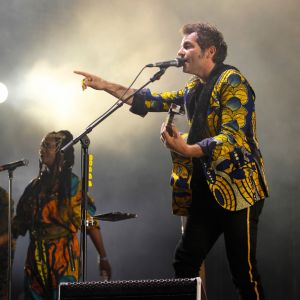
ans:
x=3 y=92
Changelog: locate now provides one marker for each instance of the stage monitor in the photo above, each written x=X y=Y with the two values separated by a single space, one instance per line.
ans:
x=155 y=289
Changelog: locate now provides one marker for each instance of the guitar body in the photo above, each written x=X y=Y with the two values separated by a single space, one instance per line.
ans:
x=181 y=183
x=181 y=171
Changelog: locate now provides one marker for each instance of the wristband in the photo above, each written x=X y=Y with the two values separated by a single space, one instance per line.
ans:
x=103 y=258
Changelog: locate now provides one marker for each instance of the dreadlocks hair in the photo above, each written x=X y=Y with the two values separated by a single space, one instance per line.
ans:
x=208 y=35
x=61 y=172
x=58 y=179
x=68 y=156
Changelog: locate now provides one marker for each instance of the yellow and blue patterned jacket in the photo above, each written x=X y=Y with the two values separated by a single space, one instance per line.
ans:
x=233 y=164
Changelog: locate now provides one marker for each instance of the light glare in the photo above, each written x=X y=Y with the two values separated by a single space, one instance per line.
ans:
x=3 y=92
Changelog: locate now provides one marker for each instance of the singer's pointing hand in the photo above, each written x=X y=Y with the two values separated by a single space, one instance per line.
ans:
x=114 y=89
x=91 y=80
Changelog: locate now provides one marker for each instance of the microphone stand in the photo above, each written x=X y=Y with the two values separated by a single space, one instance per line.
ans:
x=9 y=248
x=85 y=142
x=10 y=168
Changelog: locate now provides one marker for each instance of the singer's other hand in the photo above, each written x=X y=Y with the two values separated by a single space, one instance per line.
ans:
x=173 y=142
x=177 y=144
x=91 y=80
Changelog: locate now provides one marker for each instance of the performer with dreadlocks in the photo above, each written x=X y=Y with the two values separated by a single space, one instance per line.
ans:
x=50 y=210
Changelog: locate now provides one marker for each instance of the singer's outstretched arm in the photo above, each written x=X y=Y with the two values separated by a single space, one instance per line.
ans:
x=99 y=83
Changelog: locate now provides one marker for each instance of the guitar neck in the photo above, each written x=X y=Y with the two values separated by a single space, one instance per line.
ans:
x=174 y=110
x=169 y=122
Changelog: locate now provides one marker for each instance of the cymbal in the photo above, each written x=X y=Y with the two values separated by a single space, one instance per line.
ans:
x=114 y=216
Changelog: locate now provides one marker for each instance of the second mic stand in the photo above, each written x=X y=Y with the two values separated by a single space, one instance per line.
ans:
x=85 y=142
x=9 y=232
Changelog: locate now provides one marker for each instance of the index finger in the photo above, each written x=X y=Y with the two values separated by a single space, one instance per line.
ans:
x=82 y=73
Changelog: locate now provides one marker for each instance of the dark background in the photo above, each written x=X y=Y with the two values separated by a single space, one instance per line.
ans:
x=42 y=42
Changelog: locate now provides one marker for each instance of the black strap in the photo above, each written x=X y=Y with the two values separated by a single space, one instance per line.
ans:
x=199 y=129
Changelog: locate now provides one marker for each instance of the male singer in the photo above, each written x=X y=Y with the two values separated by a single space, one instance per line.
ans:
x=223 y=186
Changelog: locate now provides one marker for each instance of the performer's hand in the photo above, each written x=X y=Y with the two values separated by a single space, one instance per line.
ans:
x=105 y=269
x=91 y=80
x=177 y=144
x=3 y=239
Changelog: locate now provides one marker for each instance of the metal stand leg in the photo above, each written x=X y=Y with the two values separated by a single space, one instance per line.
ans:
x=9 y=270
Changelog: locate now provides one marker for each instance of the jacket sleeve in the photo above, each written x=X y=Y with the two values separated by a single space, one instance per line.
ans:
x=146 y=101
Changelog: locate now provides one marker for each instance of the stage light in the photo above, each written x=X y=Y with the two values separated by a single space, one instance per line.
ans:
x=3 y=92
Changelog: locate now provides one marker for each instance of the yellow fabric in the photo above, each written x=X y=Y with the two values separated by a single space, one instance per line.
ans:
x=234 y=174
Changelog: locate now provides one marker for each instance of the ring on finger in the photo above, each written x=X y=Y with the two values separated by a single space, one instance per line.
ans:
x=83 y=84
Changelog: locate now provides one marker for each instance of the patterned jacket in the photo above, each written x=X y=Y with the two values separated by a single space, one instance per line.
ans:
x=233 y=165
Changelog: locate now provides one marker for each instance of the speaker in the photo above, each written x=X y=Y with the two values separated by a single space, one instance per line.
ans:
x=156 y=289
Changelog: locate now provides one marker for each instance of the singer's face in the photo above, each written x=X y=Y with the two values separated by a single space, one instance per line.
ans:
x=196 y=60
x=48 y=151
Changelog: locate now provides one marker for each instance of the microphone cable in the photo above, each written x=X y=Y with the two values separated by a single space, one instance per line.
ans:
x=120 y=100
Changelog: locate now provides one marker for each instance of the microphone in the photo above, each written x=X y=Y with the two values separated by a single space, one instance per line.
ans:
x=14 y=165
x=177 y=62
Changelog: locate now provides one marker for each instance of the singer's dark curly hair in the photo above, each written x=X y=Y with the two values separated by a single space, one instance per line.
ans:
x=208 y=36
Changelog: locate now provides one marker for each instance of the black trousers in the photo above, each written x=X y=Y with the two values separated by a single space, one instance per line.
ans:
x=206 y=221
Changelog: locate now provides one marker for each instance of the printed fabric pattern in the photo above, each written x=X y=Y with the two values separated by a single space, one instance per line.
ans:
x=53 y=254
x=232 y=164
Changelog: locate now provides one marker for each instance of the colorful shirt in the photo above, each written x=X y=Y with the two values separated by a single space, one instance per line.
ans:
x=233 y=165
x=53 y=254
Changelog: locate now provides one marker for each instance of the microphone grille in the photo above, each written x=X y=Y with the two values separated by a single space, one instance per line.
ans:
x=180 y=61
